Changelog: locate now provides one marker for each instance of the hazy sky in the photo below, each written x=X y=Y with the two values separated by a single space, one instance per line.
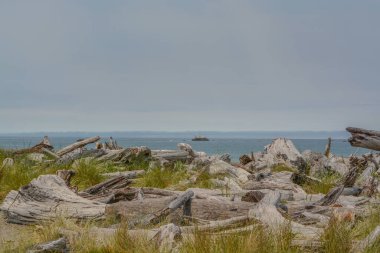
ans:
x=189 y=65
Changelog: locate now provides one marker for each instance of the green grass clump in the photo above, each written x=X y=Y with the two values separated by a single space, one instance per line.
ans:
x=328 y=181
x=203 y=181
x=87 y=173
x=366 y=225
x=163 y=177
x=20 y=174
x=282 y=167
x=258 y=240
x=337 y=237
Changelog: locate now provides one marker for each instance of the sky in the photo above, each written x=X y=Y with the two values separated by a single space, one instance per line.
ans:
x=212 y=65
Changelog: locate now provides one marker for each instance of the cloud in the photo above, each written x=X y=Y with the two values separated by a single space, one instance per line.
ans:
x=188 y=64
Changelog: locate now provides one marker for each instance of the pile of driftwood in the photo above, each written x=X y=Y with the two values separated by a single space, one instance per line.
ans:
x=248 y=191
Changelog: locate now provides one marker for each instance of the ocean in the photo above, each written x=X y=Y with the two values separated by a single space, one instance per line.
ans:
x=233 y=146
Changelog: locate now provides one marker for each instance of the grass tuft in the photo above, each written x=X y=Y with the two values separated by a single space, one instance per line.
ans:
x=163 y=177
x=337 y=237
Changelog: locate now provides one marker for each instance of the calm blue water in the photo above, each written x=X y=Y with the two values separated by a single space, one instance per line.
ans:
x=234 y=147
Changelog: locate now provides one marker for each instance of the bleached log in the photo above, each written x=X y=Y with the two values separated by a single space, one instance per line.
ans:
x=111 y=184
x=216 y=225
x=267 y=213
x=45 y=198
x=220 y=167
x=7 y=163
x=77 y=145
x=154 y=218
x=328 y=147
x=280 y=151
x=368 y=241
x=167 y=237
x=79 y=154
x=126 y=174
x=364 y=138
x=66 y=175
x=51 y=153
x=205 y=208
x=186 y=147
x=59 y=245
x=172 y=155
x=38 y=148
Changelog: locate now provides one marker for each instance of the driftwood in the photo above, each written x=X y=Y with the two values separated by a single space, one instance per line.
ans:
x=77 y=145
x=204 y=207
x=126 y=174
x=45 y=198
x=364 y=138
x=58 y=246
x=111 y=144
x=111 y=184
x=328 y=147
x=154 y=218
x=368 y=241
x=7 y=163
x=266 y=212
x=38 y=148
x=172 y=155
x=280 y=151
x=72 y=156
x=66 y=175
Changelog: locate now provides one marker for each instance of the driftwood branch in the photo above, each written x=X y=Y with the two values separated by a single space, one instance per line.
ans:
x=364 y=138
x=76 y=145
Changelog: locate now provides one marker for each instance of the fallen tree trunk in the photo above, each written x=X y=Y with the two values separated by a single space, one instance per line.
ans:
x=171 y=155
x=364 y=138
x=111 y=184
x=77 y=145
x=38 y=148
x=266 y=212
x=156 y=217
x=205 y=208
x=45 y=198
x=368 y=241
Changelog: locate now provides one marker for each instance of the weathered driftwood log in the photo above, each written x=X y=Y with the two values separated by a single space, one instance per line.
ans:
x=275 y=181
x=245 y=159
x=45 y=198
x=216 y=225
x=202 y=207
x=253 y=196
x=66 y=175
x=266 y=212
x=38 y=148
x=328 y=147
x=111 y=184
x=125 y=155
x=172 y=155
x=186 y=147
x=167 y=237
x=113 y=196
x=368 y=241
x=348 y=181
x=280 y=151
x=58 y=246
x=7 y=163
x=50 y=153
x=72 y=156
x=111 y=144
x=364 y=138
x=156 y=217
x=301 y=179
x=126 y=174
x=77 y=145
x=219 y=167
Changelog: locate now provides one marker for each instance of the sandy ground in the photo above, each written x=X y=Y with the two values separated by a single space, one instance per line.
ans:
x=11 y=234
